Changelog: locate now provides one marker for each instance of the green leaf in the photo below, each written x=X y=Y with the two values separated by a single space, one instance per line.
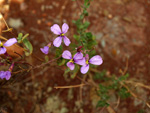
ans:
x=102 y=88
x=75 y=71
x=141 y=111
x=102 y=104
x=91 y=44
x=85 y=12
x=46 y=58
x=61 y=61
x=123 y=77
x=29 y=47
x=100 y=75
x=89 y=35
x=19 y=38
x=86 y=2
x=58 y=51
x=25 y=36
x=115 y=84
x=77 y=37
x=82 y=16
x=86 y=24
x=67 y=70
x=92 y=53
x=123 y=93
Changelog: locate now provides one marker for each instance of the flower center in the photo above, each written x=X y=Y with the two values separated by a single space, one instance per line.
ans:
x=87 y=62
x=1 y=44
x=72 y=61
x=62 y=34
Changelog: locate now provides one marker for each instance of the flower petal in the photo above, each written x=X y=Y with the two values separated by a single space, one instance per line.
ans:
x=57 y=41
x=80 y=61
x=84 y=69
x=2 y=50
x=86 y=57
x=45 y=50
x=65 y=28
x=71 y=65
x=2 y=74
x=78 y=55
x=67 y=55
x=96 y=60
x=7 y=75
x=56 y=29
x=10 y=42
x=66 y=41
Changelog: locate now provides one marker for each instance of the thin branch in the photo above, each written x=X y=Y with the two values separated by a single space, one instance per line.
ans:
x=136 y=84
x=72 y=86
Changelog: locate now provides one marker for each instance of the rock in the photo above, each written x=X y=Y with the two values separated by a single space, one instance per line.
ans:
x=15 y=23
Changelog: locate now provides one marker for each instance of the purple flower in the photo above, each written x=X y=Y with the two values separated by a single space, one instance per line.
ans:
x=56 y=30
x=45 y=50
x=78 y=59
x=5 y=74
x=2 y=74
x=9 y=42
x=96 y=60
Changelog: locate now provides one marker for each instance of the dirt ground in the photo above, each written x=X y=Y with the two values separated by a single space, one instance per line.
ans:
x=122 y=30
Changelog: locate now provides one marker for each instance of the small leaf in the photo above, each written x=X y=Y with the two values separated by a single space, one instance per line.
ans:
x=77 y=37
x=85 y=12
x=123 y=93
x=58 y=51
x=86 y=24
x=67 y=70
x=102 y=104
x=141 y=111
x=46 y=58
x=61 y=61
x=100 y=75
x=89 y=35
x=19 y=38
x=25 y=36
x=28 y=45
x=124 y=77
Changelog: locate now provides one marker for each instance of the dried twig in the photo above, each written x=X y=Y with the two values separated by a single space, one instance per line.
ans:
x=72 y=86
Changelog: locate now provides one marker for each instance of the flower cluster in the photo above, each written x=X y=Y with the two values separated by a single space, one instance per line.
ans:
x=79 y=59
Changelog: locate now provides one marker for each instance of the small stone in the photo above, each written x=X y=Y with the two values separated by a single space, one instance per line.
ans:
x=49 y=89
x=110 y=16
x=15 y=23
x=42 y=8
x=38 y=21
x=103 y=43
x=64 y=110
